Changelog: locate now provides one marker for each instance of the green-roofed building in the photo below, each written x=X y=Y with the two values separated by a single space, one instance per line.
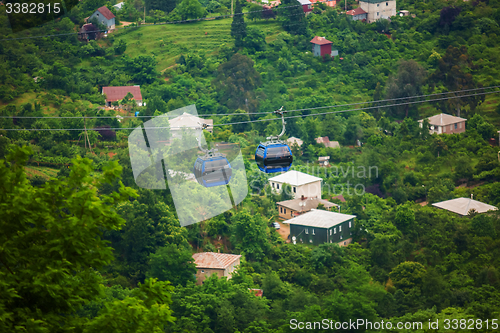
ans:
x=378 y=9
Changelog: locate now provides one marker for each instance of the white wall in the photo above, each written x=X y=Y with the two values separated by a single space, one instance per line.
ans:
x=384 y=9
x=311 y=190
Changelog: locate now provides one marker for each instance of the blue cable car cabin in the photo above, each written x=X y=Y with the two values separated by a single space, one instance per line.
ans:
x=273 y=157
x=212 y=171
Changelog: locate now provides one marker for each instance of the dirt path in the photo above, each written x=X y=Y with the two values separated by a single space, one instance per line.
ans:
x=124 y=24
x=284 y=230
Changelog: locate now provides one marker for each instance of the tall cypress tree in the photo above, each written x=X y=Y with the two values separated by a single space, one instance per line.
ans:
x=292 y=17
x=238 y=27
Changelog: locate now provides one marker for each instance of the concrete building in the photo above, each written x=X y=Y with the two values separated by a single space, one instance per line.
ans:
x=292 y=208
x=303 y=185
x=326 y=141
x=378 y=9
x=462 y=206
x=187 y=120
x=293 y=140
x=104 y=16
x=321 y=226
x=116 y=94
x=221 y=264
x=445 y=124
x=357 y=14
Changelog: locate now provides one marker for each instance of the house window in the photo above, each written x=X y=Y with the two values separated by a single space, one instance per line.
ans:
x=285 y=210
x=202 y=271
x=456 y=125
x=451 y=127
x=313 y=231
x=278 y=186
x=340 y=228
x=291 y=213
x=307 y=231
x=349 y=224
x=460 y=125
x=387 y=4
x=340 y=236
x=377 y=13
x=330 y=232
x=378 y=4
x=272 y=184
x=345 y=243
x=281 y=209
x=294 y=190
x=334 y=230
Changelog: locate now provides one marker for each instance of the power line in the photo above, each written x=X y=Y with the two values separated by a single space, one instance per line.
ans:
x=258 y=120
x=260 y=113
x=147 y=25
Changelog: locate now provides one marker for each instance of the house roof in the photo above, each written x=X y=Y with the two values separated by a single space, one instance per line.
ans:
x=323 y=158
x=295 y=178
x=320 y=41
x=293 y=140
x=329 y=3
x=89 y=27
x=304 y=2
x=214 y=260
x=106 y=12
x=320 y=219
x=356 y=11
x=462 y=206
x=189 y=121
x=114 y=94
x=326 y=141
x=309 y=203
x=340 y=197
x=443 y=119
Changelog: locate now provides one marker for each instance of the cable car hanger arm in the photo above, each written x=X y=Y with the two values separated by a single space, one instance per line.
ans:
x=280 y=112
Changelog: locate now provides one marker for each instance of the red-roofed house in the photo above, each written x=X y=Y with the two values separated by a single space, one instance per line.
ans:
x=104 y=16
x=114 y=94
x=322 y=47
x=208 y=263
x=357 y=14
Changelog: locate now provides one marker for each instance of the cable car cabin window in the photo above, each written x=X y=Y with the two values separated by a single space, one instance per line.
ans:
x=278 y=156
x=259 y=157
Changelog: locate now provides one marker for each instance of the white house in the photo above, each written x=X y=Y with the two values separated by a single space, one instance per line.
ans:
x=303 y=185
x=378 y=9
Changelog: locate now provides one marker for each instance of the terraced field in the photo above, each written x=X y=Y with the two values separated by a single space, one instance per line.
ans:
x=32 y=171
x=168 y=41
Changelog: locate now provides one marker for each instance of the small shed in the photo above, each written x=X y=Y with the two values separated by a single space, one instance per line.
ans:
x=462 y=206
x=322 y=47
x=357 y=14
x=324 y=160
x=221 y=264
x=88 y=32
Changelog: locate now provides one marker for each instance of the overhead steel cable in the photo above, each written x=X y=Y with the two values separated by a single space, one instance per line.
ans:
x=261 y=113
x=258 y=120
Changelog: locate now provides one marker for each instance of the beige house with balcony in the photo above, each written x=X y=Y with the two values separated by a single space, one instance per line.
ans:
x=221 y=264
x=378 y=9
x=303 y=185
x=444 y=123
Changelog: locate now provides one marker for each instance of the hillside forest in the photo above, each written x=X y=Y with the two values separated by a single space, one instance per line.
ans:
x=84 y=249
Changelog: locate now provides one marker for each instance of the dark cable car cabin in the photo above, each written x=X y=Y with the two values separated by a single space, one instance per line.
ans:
x=212 y=171
x=273 y=157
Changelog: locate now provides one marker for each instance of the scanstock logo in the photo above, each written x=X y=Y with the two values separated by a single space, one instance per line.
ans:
x=163 y=153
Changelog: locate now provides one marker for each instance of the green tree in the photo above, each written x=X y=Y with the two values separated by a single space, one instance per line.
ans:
x=51 y=243
x=172 y=263
x=236 y=82
x=190 y=9
x=292 y=17
x=249 y=235
x=407 y=83
x=238 y=26
x=408 y=275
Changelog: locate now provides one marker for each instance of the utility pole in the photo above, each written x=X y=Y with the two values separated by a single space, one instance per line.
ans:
x=144 y=12
x=346 y=6
x=232 y=12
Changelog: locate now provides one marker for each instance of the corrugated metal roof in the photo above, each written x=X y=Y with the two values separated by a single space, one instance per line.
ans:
x=320 y=40
x=295 y=178
x=357 y=11
x=114 y=94
x=293 y=140
x=309 y=203
x=214 y=260
x=443 y=119
x=106 y=12
x=320 y=219
x=462 y=206
x=304 y=2
x=189 y=121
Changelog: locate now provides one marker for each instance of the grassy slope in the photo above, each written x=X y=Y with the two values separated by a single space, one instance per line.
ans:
x=168 y=41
